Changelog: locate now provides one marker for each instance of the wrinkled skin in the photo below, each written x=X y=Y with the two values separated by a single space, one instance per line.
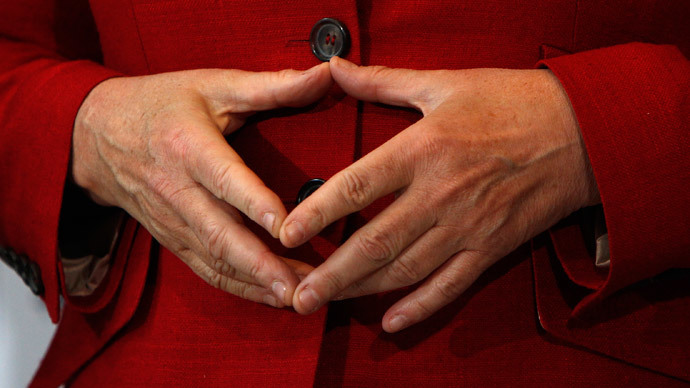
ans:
x=154 y=146
x=496 y=159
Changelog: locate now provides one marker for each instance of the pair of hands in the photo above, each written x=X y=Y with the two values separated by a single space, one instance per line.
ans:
x=496 y=159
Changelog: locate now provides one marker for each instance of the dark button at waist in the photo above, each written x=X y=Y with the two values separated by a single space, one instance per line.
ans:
x=329 y=38
x=308 y=188
x=29 y=271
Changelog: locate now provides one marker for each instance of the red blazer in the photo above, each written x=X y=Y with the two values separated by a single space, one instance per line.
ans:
x=542 y=316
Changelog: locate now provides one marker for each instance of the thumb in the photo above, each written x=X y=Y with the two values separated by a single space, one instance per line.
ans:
x=246 y=91
x=400 y=87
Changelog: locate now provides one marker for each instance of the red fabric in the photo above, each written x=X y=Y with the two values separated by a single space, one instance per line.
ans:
x=634 y=125
x=164 y=326
x=37 y=112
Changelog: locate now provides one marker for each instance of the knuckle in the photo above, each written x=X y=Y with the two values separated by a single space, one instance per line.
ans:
x=422 y=308
x=161 y=186
x=356 y=189
x=221 y=175
x=280 y=79
x=334 y=281
x=176 y=143
x=358 y=288
x=256 y=265
x=287 y=76
x=216 y=241
x=376 y=247
x=448 y=287
x=223 y=180
x=404 y=273
x=250 y=203
x=238 y=289
x=179 y=250
x=430 y=144
x=379 y=72
x=316 y=215
x=175 y=194
x=229 y=285
x=224 y=268
x=215 y=279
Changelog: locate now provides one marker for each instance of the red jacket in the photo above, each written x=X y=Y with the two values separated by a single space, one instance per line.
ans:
x=542 y=316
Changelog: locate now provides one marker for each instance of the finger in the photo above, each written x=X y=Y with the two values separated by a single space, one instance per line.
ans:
x=213 y=163
x=221 y=275
x=184 y=244
x=400 y=87
x=176 y=234
x=442 y=287
x=244 y=91
x=379 y=173
x=415 y=263
x=232 y=285
x=178 y=237
x=370 y=248
x=300 y=268
x=228 y=242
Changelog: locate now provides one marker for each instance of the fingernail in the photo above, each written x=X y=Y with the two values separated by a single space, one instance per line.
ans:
x=309 y=300
x=268 y=220
x=295 y=232
x=398 y=322
x=279 y=290
x=271 y=300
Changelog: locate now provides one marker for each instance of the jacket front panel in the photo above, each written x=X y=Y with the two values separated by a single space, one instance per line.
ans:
x=183 y=331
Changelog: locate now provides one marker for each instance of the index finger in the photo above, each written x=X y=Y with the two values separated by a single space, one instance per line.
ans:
x=229 y=249
x=373 y=246
x=379 y=173
x=209 y=160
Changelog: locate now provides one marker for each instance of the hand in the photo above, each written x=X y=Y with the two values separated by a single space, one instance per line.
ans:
x=154 y=146
x=496 y=159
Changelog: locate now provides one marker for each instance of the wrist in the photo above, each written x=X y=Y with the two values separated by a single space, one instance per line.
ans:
x=84 y=159
x=588 y=193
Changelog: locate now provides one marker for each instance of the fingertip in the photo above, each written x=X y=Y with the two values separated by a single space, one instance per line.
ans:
x=265 y=208
x=306 y=301
x=396 y=323
x=292 y=234
x=270 y=220
x=280 y=291
x=319 y=73
x=339 y=68
x=285 y=283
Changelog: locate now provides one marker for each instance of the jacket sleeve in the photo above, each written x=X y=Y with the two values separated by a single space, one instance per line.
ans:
x=632 y=103
x=42 y=84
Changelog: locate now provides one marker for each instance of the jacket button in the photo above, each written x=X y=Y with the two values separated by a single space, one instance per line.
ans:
x=308 y=188
x=329 y=38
